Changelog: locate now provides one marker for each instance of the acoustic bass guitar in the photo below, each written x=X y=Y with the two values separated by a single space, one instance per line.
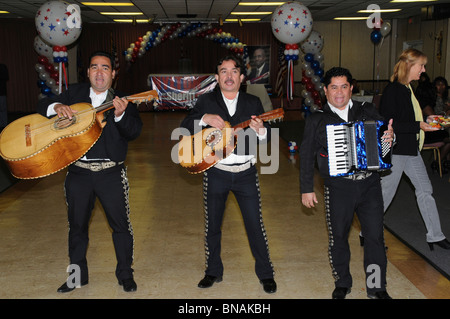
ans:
x=201 y=151
x=35 y=146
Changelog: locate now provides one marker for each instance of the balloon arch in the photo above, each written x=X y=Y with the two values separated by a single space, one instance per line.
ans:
x=152 y=39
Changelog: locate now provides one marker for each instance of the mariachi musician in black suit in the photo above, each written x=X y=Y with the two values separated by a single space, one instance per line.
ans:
x=344 y=196
x=235 y=173
x=100 y=173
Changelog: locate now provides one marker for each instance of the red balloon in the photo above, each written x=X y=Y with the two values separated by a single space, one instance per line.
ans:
x=49 y=67
x=42 y=60
x=309 y=86
x=306 y=80
x=54 y=75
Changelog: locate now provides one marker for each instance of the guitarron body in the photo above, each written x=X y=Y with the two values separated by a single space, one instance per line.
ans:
x=204 y=149
x=34 y=146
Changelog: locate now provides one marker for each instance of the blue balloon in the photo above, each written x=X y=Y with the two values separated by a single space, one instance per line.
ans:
x=375 y=36
x=315 y=65
x=309 y=57
x=46 y=90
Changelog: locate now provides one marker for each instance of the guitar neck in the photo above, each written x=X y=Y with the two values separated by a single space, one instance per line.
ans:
x=108 y=105
x=242 y=125
x=265 y=117
x=136 y=98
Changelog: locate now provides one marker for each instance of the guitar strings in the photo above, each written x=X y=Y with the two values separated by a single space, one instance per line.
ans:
x=48 y=124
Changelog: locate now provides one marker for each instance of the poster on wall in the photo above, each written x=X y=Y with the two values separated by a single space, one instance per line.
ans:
x=258 y=70
x=180 y=92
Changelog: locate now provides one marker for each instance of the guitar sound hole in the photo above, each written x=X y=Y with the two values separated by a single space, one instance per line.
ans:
x=213 y=138
x=64 y=122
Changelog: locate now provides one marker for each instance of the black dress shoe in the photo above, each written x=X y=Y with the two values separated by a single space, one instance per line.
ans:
x=208 y=281
x=379 y=295
x=129 y=285
x=340 y=292
x=444 y=243
x=65 y=288
x=269 y=285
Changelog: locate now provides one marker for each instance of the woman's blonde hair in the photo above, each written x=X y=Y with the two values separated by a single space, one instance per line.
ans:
x=407 y=59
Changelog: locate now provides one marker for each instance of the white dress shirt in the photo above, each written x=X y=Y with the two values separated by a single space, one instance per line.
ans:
x=234 y=158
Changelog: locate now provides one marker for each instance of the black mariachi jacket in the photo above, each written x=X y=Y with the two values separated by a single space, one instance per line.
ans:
x=115 y=135
x=314 y=144
x=213 y=103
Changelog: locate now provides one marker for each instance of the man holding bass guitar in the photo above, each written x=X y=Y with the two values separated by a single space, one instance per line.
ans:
x=235 y=173
x=100 y=173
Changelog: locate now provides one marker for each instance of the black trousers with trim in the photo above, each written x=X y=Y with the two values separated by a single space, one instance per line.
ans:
x=110 y=186
x=245 y=186
x=344 y=198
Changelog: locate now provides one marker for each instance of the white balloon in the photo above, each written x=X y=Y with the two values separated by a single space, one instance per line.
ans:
x=43 y=75
x=39 y=68
x=291 y=22
x=385 y=29
x=305 y=94
x=318 y=57
x=313 y=108
x=42 y=48
x=313 y=44
x=55 y=23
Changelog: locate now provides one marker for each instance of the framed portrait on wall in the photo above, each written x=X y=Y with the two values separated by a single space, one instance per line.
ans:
x=259 y=70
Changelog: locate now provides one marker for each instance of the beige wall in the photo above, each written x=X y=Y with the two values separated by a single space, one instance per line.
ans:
x=348 y=44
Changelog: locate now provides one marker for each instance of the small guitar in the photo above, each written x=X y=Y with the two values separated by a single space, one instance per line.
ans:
x=201 y=151
x=35 y=146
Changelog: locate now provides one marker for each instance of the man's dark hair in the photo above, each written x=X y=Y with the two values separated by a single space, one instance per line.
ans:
x=105 y=54
x=336 y=72
x=237 y=63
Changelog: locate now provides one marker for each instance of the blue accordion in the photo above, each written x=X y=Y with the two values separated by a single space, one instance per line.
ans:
x=357 y=146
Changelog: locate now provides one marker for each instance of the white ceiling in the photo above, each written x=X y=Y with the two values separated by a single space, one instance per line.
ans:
x=211 y=10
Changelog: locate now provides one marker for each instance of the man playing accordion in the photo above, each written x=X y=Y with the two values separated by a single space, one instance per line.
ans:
x=358 y=193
